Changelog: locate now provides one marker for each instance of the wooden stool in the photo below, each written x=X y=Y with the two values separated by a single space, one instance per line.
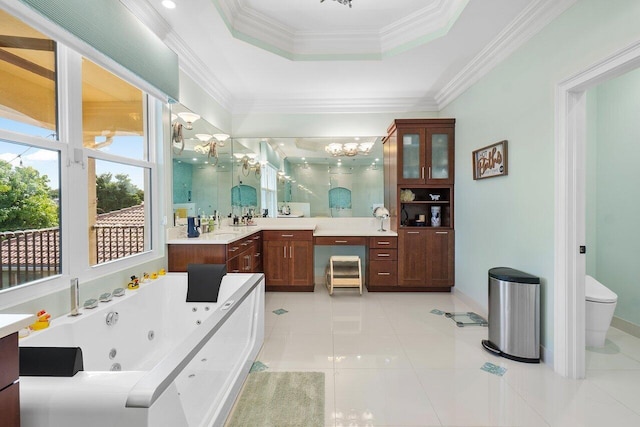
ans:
x=344 y=272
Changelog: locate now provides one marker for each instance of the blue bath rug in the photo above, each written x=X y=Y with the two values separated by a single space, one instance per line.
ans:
x=494 y=369
x=280 y=311
x=258 y=366
x=436 y=311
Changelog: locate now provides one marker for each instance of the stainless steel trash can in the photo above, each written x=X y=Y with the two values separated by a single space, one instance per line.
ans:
x=514 y=315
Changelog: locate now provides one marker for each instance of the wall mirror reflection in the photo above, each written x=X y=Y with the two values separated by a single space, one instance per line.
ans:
x=202 y=166
x=276 y=177
x=319 y=177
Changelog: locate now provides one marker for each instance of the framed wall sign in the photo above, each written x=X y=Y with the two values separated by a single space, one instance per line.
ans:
x=490 y=161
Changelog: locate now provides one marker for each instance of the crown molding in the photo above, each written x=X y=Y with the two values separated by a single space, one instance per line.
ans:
x=335 y=105
x=188 y=61
x=418 y=28
x=527 y=24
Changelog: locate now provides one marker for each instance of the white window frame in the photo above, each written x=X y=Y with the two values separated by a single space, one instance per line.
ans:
x=73 y=161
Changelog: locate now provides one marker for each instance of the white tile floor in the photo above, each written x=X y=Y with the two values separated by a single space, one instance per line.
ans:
x=390 y=362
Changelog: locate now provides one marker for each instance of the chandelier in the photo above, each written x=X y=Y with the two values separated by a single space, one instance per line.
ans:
x=344 y=2
x=349 y=149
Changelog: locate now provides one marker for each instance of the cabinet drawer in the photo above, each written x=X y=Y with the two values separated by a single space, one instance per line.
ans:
x=234 y=249
x=9 y=360
x=341 y=240
x=383 y=273
x=383 y=255
x=287 y=235
x=383 y=242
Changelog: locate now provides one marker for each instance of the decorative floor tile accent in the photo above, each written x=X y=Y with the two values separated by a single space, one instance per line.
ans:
x=280 y=311
x=258 y=366
x=494 y=369
x=436 y=311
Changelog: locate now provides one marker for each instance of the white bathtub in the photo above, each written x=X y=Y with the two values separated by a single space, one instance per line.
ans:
x=181 y=364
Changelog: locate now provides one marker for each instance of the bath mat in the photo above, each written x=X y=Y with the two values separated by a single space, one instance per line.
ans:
x=280 y=399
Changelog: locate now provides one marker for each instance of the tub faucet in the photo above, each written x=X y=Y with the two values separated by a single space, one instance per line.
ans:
x=75 y=297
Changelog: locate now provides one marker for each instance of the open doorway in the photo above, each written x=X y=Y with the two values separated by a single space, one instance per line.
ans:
x=570 y=207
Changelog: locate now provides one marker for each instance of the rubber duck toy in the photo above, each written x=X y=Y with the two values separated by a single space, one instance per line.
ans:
x=42 y=322
x=145 y=277
x=134 y=283
x=154 y=275
x=162 y=272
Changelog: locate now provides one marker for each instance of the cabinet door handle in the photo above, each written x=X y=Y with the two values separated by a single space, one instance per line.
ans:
x=384 y=274
x=235 y=271
x=285 y=251
x=257 y=255
x=341 y=241
x=290 y=251
x=256 y=238
x=413 y=232
x=287 y=235
x=422 y=173
x=383 y=243
x=233 y=249
x=442 y=232
x=429 y=172
x=384 y=255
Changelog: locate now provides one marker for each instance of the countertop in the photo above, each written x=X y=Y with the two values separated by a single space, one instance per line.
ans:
x=10 y=323
x=320 y=226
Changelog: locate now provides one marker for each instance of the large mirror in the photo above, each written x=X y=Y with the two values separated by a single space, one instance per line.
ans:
x=279 y=177
x=202 y=166
x=313 y=181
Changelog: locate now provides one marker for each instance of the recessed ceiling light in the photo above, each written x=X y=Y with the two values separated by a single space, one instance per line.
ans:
x=169 y=4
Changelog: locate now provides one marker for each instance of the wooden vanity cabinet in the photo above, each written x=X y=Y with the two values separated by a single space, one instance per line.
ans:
x=9 y=381
x=288 y=260
x=382 y=264
x=242 y=256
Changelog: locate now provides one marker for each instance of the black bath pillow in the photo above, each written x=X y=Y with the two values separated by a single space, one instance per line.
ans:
x=203 y=282
x=50 y=361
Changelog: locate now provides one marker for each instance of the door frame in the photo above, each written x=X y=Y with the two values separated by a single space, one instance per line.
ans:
x=569 y=221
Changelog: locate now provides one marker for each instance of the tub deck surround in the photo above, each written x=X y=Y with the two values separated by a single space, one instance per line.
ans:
x=180 y=364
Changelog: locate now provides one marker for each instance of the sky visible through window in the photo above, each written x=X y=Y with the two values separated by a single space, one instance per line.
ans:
x=46 y=161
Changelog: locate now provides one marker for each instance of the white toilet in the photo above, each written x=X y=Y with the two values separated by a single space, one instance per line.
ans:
x=601 y=303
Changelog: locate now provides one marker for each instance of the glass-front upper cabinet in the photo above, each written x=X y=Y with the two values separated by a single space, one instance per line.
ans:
x=426 y=155
x=439 y=159
x=412 y=151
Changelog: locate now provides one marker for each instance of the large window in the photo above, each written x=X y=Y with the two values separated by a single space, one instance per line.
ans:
x=113 y=129
x=86 y=133
x=29 y=155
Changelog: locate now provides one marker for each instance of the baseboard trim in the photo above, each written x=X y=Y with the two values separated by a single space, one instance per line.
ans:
x=626 y=326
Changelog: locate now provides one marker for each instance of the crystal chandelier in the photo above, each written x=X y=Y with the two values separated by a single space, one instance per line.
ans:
x=344 y=2
x=349 y=149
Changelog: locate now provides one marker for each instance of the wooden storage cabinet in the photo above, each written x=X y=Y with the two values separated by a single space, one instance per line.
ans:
x=382 y=263
x=424 y=150
x=288 y=260
x=426 y=259
x=9 y=385
x=419 y=169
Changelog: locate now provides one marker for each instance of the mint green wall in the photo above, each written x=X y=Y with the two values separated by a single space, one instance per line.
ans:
x=616 y=197
x=509 y=221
